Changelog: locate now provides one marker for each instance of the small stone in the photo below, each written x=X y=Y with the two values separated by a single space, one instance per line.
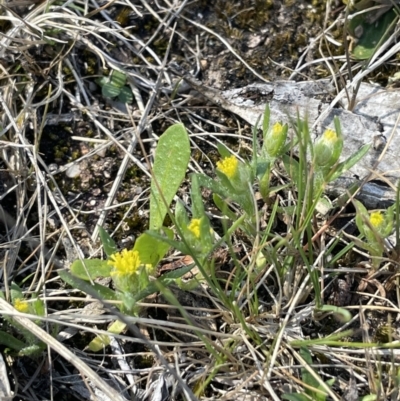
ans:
x=73 y=171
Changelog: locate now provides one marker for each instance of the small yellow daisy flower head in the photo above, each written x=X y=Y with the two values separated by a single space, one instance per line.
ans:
x=377 y=220
x=21 y=305
x=194 y=227
x=328 y=149
x=382 y=224
x=125 y=263
x=126 y=269
x=275 y=139
x=228 y=166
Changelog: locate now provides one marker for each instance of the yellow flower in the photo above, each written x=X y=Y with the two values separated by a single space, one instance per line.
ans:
x=194 y=227
x=277 y=129
x=125 y=263
x=127 y=271
x=330 y=135
x=228 y=166
x=376 y=219
x=21 y=306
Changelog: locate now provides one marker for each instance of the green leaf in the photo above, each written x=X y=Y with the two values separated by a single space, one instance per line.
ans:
x=170 y=164
x=109 y=90
x=96 y=290
x=226 y=190
x=178 y=245
x=307 y=377
x=295 y=397
x=90 y=269
x=165 y=280
x=10 y=341
x=16 y=292
x=197 y=200
x=206 y=236
x=152 y=250
x=223 y=207
x=102 y=340
x=223 y=188
x=370 y=397
x=342 y=314
x=266 y=119
x=126 y=96
x=324 y=205
x=108 y=243
x=223 y=150
x=372 y=34
x=264 y=183
x=38 y=307
x=101 y=81
x=181 y=217
x=118 y=79
x=332 y=338
x=99 y=342
x=350 y=162
x=255 y=155
x=32 y=350
x=330 y=382
x=262 y=167
x=292 y=167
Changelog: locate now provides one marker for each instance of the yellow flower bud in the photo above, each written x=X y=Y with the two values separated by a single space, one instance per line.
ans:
x=330 y=136
x=275 y=139
x=328 y=149
x=277 y=129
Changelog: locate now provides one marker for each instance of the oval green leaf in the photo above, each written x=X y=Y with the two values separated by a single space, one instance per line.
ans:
x=90 y=269
x=126 y=95
x=152 y=250
x=372 y=34
x=118 y=79
x=96 y=290
x=109 y=90
x=170 y=164
x=108 y=243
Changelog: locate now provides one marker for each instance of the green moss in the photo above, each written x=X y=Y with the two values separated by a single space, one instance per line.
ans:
x=132 y=172
x=75 y=155
x=58 y=154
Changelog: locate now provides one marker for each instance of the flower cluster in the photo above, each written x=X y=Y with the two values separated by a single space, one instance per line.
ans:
x=124 y=263
x=21 y=305
x=194 y=227
x=377 y=220
x=228 y=166
x=126 y=268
